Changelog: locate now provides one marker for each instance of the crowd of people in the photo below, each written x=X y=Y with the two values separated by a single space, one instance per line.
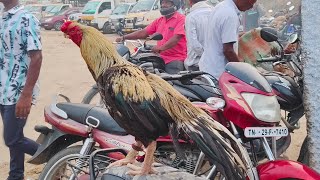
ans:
x=206 y=39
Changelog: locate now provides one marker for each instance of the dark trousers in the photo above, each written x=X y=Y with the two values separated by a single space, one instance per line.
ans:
x=14 y=138
x=174 y=67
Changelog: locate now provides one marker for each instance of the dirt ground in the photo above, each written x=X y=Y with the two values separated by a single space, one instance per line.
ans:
x=64 y=71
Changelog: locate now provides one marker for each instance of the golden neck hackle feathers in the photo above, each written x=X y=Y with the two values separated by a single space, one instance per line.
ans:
x=98 y=52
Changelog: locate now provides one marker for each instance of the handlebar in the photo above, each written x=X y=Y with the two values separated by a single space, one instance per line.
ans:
x=183 y=75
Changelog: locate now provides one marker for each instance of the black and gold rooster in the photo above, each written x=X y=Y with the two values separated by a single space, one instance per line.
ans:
x=146 y=106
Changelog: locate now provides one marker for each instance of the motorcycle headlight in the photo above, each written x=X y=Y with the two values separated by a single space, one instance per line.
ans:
x=264 y=108
x=215 y=103
x=48 y=20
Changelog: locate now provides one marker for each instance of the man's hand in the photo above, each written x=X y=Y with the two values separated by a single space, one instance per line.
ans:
x=23 y=106
x=156 y=49
x=120 y=39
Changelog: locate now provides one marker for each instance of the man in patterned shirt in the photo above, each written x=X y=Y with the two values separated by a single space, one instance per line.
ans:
x=20 y=62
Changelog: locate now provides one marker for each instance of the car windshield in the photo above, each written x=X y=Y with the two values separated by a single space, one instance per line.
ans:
x=90 y=7
x=142 y=5
x=34 y=9
x=49 y=8
x=121 y=9
x=61 y=12
x=55 y=9
x=28 y=8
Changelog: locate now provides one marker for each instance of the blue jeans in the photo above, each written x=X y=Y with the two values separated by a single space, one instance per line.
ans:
x=14 y=138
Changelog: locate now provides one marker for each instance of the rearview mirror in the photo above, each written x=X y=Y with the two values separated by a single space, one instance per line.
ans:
x=269 y=34
x=156 y=37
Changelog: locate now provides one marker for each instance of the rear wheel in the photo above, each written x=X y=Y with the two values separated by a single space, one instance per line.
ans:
x=68 y=164
x=93 y=97
x=60 y=165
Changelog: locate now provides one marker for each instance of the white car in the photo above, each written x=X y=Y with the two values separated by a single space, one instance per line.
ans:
x=75 y=17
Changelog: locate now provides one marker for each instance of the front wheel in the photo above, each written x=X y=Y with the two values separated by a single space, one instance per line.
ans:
x=93 y=97
x=57 y=26
x=62 y=165
x=106 y=29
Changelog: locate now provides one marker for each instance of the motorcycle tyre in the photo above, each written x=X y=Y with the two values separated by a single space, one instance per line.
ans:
x=52 y=163
x=89 y=96
x=304 y=153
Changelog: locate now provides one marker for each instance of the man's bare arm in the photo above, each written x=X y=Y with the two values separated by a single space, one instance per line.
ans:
x=229 y=53
x=23 y=105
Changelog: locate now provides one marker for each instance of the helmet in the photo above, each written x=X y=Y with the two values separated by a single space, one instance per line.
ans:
x=170 y=10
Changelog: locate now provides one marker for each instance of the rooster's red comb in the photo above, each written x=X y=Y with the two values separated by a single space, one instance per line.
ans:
x=65 y=26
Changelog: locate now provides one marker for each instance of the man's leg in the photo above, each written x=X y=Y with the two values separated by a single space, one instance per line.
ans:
x=174 y=67
x=15 y=140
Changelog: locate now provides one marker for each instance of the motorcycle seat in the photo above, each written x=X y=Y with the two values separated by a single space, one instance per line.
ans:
x=80 y=112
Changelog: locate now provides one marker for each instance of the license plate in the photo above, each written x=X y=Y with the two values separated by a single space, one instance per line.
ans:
x=253 y=132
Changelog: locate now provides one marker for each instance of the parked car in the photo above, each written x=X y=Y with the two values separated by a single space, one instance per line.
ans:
x=75 y=17
x=109 y=23
x=55 y=21
x=43 y=10
x=52 y=9
x=141 y=15
x=96 y=9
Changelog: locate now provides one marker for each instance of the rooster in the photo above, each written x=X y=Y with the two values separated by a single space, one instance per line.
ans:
x=147 y=107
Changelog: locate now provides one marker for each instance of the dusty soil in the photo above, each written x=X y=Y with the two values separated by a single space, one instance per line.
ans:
x=64 y=71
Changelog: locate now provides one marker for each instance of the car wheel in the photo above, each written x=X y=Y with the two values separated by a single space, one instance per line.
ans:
x=106 y=29
x=57 y=25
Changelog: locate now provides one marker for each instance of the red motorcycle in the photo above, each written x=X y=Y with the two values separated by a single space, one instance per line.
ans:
x=72 y=123
x=247 y=107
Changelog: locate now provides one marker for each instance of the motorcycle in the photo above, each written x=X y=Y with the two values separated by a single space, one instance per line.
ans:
x=74 y=123
x=201 y=88
x=287 y=79
x=249 y=109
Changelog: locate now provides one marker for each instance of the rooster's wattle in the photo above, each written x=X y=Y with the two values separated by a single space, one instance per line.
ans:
x=146 y=106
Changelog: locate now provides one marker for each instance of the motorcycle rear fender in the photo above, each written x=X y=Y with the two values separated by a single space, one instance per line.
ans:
x=51 y=144
x=286 y=169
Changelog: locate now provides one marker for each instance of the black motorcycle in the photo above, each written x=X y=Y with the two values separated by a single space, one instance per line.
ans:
x=288 y=84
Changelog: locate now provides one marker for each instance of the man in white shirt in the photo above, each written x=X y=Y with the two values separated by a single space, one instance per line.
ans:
x=221 y=40
x=195 y=27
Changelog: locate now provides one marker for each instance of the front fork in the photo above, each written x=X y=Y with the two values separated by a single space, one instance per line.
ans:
x=85 y=151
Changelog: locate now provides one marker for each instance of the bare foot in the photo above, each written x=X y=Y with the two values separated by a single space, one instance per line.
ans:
x=122 y=162
x=139 y=170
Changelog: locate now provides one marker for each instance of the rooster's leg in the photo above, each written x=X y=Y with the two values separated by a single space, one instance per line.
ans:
x=147 y=163
x=130 y=158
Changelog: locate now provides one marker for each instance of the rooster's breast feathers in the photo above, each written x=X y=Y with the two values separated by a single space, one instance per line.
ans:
x=133 y=104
